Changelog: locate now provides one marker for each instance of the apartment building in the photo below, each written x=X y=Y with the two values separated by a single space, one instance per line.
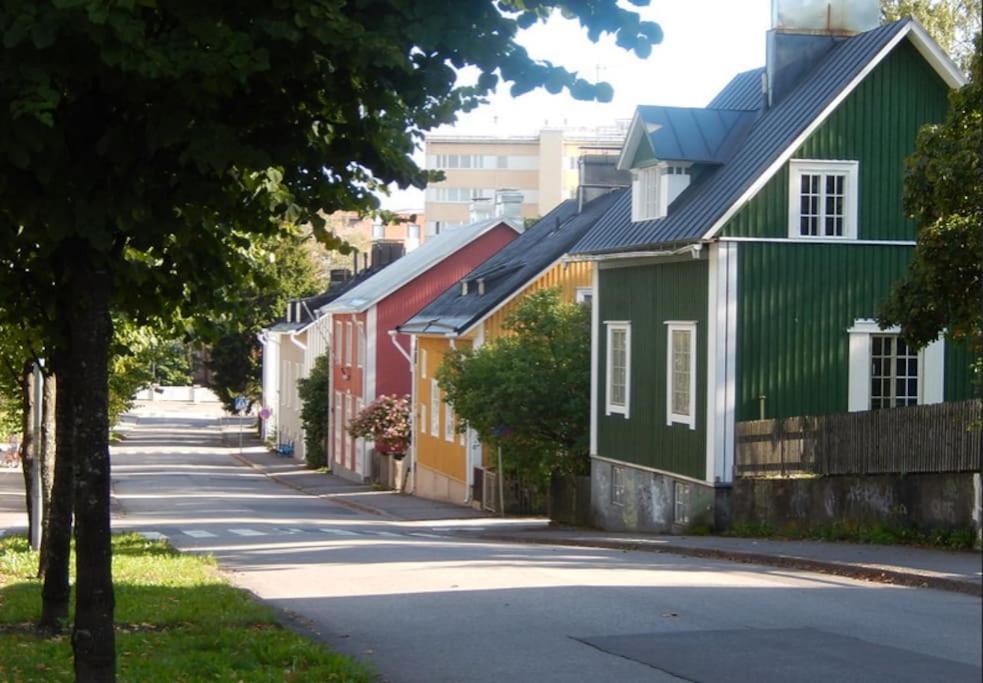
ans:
x=543 y=167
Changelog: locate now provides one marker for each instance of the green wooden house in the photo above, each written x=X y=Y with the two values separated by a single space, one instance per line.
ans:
x=741 y=277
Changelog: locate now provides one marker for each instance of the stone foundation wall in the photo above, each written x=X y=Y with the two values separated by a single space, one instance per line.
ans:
x=926 y=502
x=626 y=498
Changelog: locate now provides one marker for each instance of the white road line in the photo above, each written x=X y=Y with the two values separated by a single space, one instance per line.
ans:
x=247 y=532
x=427 y=535
x=339 y=532
x=290 y=532
x=383 y=533
x=153 y=535
x=198 y=533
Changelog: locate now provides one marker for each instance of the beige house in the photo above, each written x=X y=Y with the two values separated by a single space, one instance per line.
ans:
x=542 y=167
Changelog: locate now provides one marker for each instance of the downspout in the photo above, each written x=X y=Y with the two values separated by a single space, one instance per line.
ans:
x=468 y=469
x=299 y=345
x=409 y=356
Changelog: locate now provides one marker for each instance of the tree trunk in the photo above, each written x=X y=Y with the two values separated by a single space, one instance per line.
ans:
x=91 y=329
x=46 y=460
x=58 y=531
x=27 y=449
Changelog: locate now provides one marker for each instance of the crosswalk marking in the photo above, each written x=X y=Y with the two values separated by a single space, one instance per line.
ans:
x=198 y=533
x=339 y=532
x=247 y=532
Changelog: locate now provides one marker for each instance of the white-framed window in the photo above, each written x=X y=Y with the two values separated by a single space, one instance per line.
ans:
x=360 y=339
x=584 y=295
x=434 y=408
x=339 y=425
x=349 y=343
x=462 y=437
x=887 y=373
x=618 y=368
x=422 y=427
x=339 y=342
x=423 y=363
x=655 y=187
x=822 y=199
x=681 y=373
x=448 y=422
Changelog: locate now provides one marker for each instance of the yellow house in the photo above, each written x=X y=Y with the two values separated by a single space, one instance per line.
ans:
x=471 y=313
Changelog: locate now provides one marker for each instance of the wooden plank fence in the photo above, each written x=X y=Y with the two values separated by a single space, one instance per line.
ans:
x=944 y=437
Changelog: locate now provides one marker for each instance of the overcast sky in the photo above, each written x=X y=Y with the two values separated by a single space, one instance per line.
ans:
x=705 y=43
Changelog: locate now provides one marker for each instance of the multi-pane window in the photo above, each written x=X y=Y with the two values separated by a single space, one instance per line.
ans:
x=893 y=372
x=618 y=367
x=349 y=343
x=423 y=363
x=822 y=204
x=339 y=425
x=422 y=427
x=448 y=422
x=655 y=188
x=339 y=342
x=434 y=408
x=681 y=373
x=361 y=344
x=823 y=199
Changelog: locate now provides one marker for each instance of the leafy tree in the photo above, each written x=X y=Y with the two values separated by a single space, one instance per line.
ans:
x=529 y=391
x=952 y=23
x=286 y=268
x=943 y=288
x=145 y=145
x=314 y=392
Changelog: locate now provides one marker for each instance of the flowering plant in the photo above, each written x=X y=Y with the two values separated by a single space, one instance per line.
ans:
x=387 y=422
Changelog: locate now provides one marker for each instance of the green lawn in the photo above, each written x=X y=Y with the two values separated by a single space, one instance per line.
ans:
x=177 y=620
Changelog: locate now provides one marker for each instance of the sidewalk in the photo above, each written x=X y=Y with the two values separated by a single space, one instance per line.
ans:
x=363 y=497
x=903 y=565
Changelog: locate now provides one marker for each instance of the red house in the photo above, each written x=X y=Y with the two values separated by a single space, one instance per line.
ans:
x=366 y=361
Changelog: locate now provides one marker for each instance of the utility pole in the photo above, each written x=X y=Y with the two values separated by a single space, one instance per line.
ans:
x=37 y=498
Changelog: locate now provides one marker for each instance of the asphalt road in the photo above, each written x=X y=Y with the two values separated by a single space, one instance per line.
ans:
x=422 y=602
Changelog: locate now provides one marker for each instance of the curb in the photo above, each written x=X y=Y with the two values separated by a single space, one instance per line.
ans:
x=879 y=575
x=361 y=507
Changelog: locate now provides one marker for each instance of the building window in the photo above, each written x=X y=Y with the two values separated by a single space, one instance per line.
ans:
x=361 y=344
x=584 y=295
x=434 y=408
x=339 y=425
x=339 y=343
x=448 y=422
x=887 y=373
x=462 y=437
x=422 y=427
x=893 y=372
x=654 y=188
x=423 y=363
x=823 y=199
x=618 y=367
x=681 y=373
x=349 y=339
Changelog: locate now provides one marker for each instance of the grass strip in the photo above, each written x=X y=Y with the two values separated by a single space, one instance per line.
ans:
x=177 y=620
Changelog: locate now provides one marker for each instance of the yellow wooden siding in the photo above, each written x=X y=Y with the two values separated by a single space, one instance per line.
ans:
x=435 y=452
x=567 y=277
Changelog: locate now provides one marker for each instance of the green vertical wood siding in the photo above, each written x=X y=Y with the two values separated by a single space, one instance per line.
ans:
x=876 y=125
x=795 y=304
x=959 y=381
x=648 y=296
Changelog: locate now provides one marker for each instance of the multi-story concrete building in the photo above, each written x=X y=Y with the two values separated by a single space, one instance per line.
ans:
x=543 y=167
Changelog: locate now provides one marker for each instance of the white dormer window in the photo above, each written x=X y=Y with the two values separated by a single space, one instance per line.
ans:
x=822 y=199
x=654 y=188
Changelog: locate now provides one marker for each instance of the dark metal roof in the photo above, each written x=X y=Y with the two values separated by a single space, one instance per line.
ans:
x=308 y=306
x=696 y=135
x=511 y=268
x=708 y=198
x=742 y=92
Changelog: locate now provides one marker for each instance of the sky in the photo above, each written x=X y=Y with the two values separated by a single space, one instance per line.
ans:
x=705 y=42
